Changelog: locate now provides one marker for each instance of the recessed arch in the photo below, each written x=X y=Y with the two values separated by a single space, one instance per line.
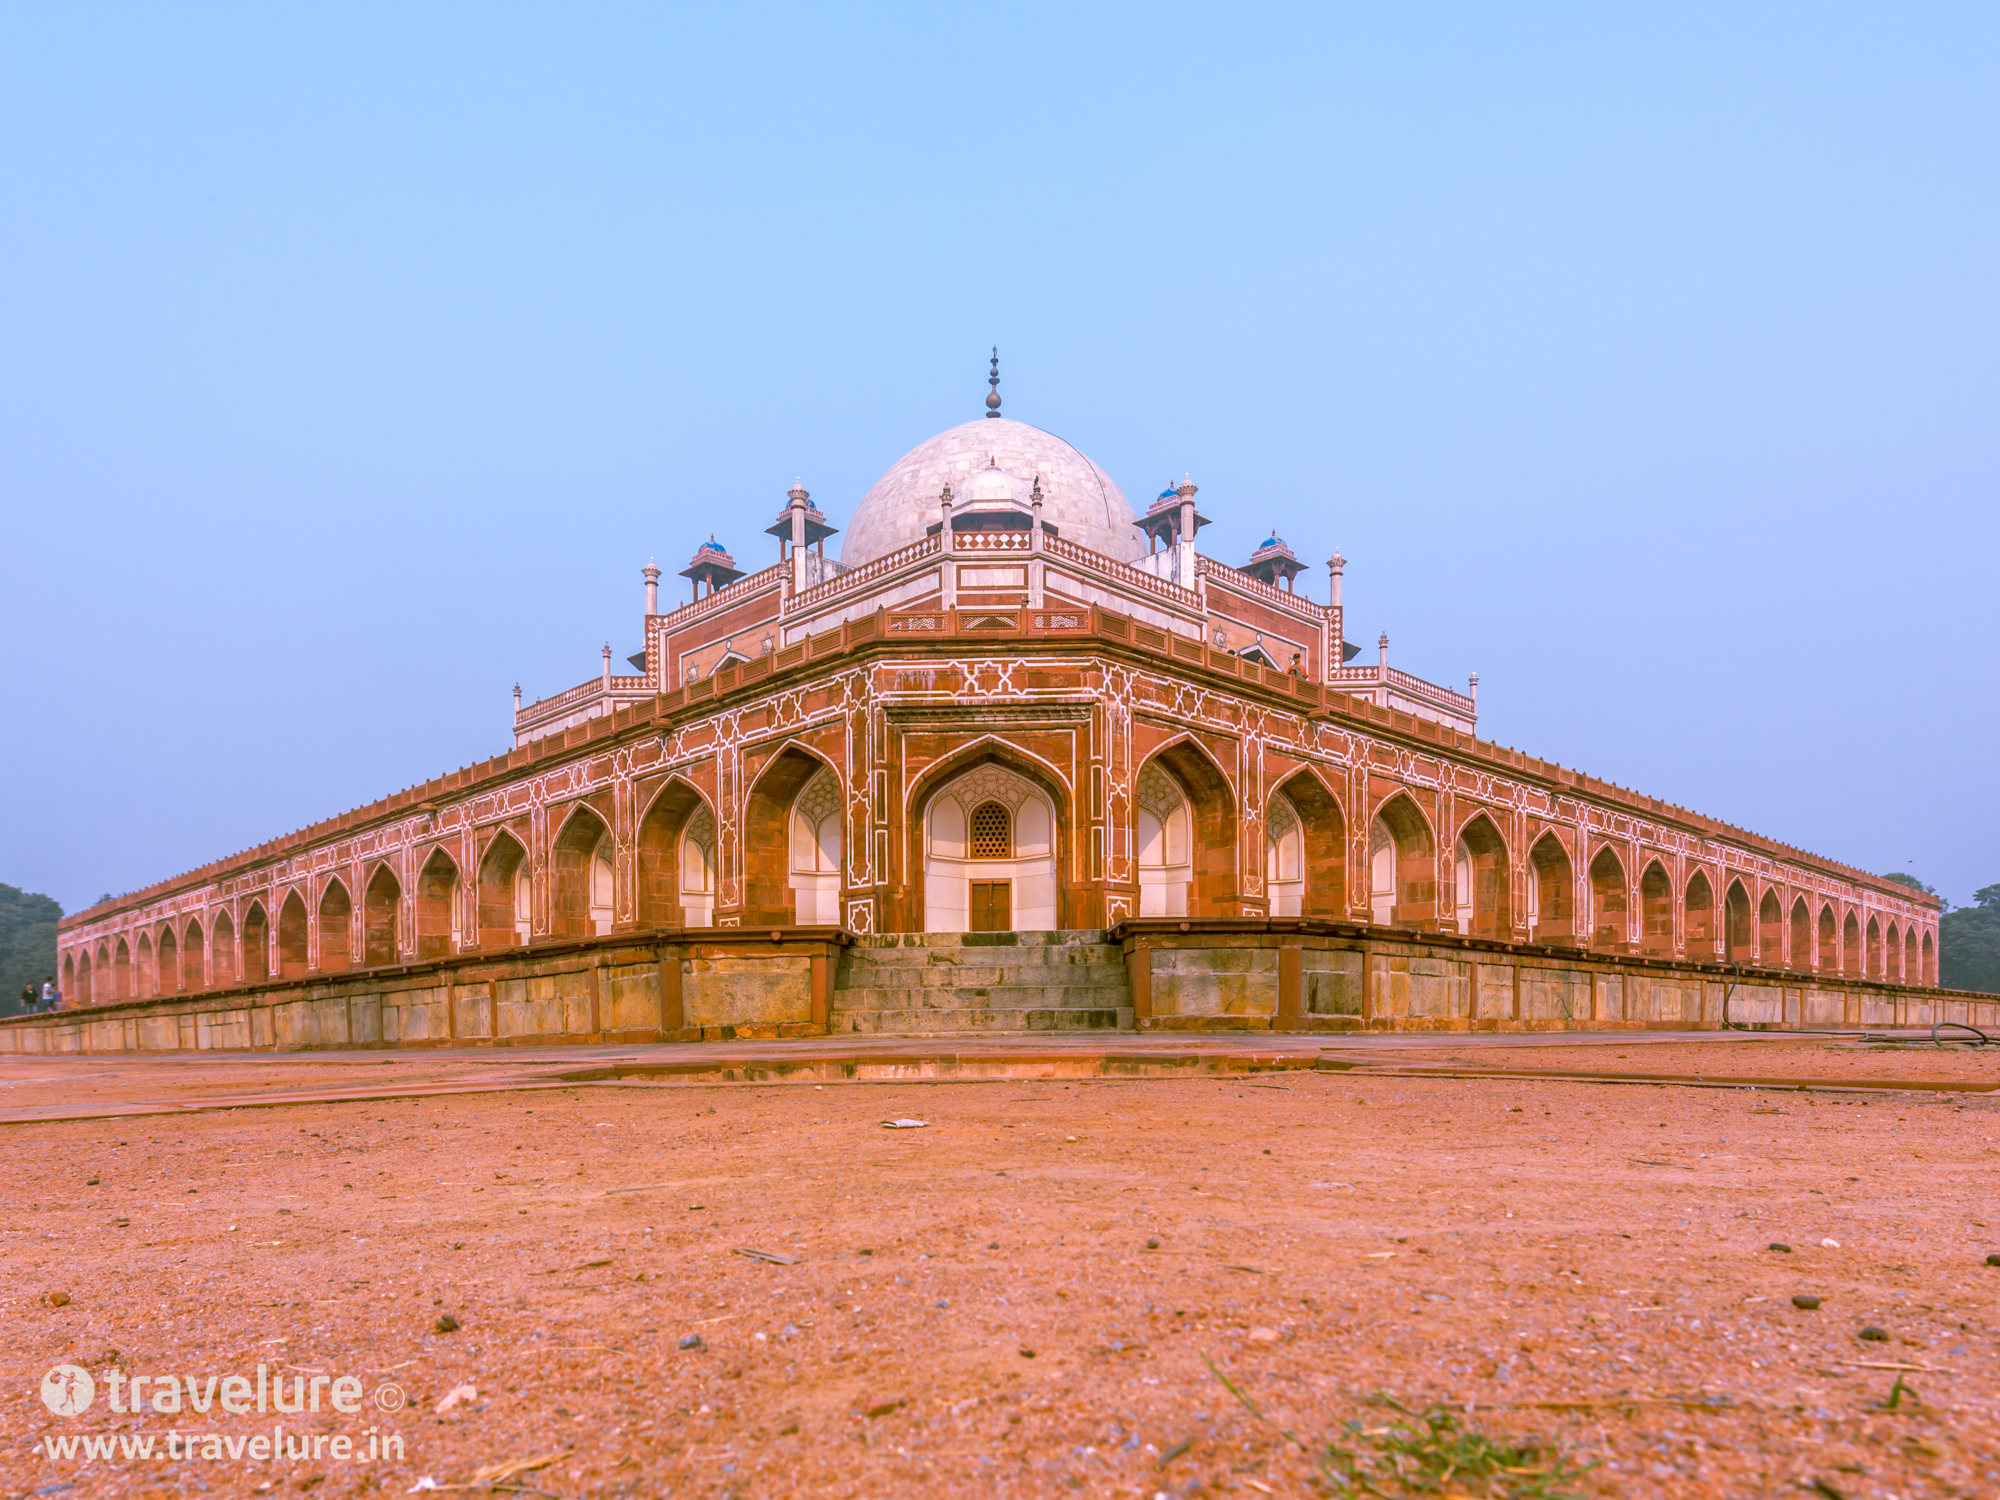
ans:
x=674 y=890
x=1698 y=905
x=989 y=853
x=1656 y=910
x=167 y=955
x=222 y=967
x=1551 y=892
x=1930 y=961
x=1802 y=935
x=1770 y=931
x=1851 y=956
x=1912 y=959
x=68 y=979
x=336 y=928
x=121 y=971
x=1323 y=846
x=1040 y=775
x=582 y=879
x=256 y=945
x=86 y=978
x=381 y=914
x=146 y=978
x=1739 y=936
x=769 y=897
x=1829 y=940
x=194 y=951
x=1892 y=955
x=1872 y=953
x=1402 y=863
x=440 y=906
x=505 y=892
x=1213 y=889
x=1610 y=902
x=293 y=950
x=1481 y=880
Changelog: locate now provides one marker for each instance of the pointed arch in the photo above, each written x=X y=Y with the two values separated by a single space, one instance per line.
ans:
x=1929 y=961
x=1912 y=959
x=194 y=952
x=1802 y=935
x=1698 y=905
x=146 y=975
x=1850 y=947
x=1828 y=955
x=167 y=959
x=440 y=905
x=1551 y=892
x=222 y=951
x=1892 y=955
x=1481 y=880
x=381 y=912
x=1402 y=863
x=664 y=831
x=505 y=892
x=580 y=887
x=932 y=832
x=1656 y=911
x=1610 y=902
x=336 y=928
x=1213 y=888
x=256 y=945
x=1739 y=927
x=121 y=971
x=68 y=980
x=1770 y=931
x=85 y=977
x=1872 y=953
x=768 y=896
x=1323 y=846
x=989 y=853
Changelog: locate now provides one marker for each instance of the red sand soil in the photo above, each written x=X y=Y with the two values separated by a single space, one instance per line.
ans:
x=1019 y=1296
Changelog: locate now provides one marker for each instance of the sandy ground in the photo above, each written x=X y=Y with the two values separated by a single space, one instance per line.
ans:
x=1024 y=1296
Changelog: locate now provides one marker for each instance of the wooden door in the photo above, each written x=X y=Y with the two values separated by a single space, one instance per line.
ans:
x=992 y=906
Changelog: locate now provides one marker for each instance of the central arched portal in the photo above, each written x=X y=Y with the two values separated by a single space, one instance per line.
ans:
x=989 y=855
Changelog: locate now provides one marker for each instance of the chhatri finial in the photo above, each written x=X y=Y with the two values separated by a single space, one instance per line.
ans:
x=993 y=380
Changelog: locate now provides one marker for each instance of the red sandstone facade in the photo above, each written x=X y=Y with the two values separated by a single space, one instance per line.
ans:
x=1014 y=704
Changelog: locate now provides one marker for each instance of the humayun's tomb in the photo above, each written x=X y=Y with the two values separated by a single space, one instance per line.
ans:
x=1022 y=758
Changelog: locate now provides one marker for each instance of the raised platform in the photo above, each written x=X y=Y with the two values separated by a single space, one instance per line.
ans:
x=1217 y=975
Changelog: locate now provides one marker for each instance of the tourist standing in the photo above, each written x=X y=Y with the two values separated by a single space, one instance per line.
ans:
x=28 y=998
x=49 y=993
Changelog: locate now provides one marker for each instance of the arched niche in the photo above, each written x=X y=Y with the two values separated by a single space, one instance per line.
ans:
x=1212 y=889
x=222 y=967
x=1829 y=941
x=769 y=897
x=989 y=844
x=816 y=843
x=1610 y=902
x=1551 y=892
x=440 y=907
x=1802 y=935
x=292 y=929
x=1770 y=931
x=675 y=859
x=1739 y=937
x=336 y=928
x=1480 y=880
x=506 y=892
x=1164 y=842
x=1656 y=911
x=1284 y=857
x=1699 y=903
x=581 y=893
x=381 y=909
x=1322 y=847
x=256 y=944
x=1402 y=864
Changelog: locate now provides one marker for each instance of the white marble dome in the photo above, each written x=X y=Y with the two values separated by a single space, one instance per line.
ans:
x=1078 y=499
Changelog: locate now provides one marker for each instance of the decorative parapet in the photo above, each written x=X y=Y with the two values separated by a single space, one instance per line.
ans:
x=1236 y=578
x=868 y=572
x=1124 y=575
x=722 y=598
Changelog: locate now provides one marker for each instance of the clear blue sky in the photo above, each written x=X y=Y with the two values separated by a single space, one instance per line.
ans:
x=1643 y=359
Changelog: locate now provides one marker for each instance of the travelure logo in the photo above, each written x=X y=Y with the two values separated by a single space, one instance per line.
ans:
x=68 y=1390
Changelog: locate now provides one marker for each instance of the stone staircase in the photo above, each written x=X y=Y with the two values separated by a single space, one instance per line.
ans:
x=936 y=982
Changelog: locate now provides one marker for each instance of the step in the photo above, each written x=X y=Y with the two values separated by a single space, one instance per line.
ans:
x=941 y=1020
x=976 y=976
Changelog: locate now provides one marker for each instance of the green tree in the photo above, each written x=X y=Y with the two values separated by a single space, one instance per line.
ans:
x=1969 y=944
x=27 y=944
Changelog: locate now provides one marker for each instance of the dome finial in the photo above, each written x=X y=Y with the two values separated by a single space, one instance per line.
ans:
x=993 y=380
